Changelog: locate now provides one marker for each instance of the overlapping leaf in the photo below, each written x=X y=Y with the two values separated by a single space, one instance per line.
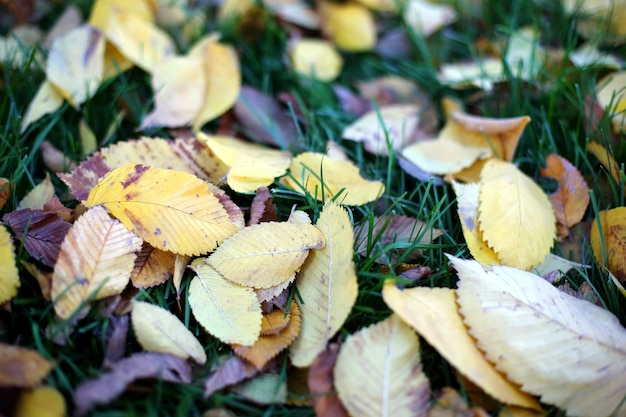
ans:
x=9 y=277
x=349 y=25
x=22 y=367
x=608 y=240
x=43 y=401
x=152 y=267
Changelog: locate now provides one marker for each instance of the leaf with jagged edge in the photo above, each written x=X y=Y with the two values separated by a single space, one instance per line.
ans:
x=379 y=372
x=171 y=210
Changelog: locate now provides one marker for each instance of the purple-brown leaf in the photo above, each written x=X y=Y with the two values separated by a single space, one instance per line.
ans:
x=233 y=371
x=321 y=384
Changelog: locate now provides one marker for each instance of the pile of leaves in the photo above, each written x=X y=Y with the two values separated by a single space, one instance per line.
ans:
x=265 y=228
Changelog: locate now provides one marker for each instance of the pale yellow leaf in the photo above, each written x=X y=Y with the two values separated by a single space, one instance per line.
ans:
x=444 y=156
x=327 y=283
x=606 y=159
x=47 y=100
x=95 y=261
x=9 y=276
x=432 y=312
x=38 y=196
x=482 y=73
x=21 y=367
x=378 y=372
x=323 y=178
x=158 y=330
x=228 y=311
x=611 y=97
x=515 y=215
x=425 y=17
x=103 y=10
x=608 y=240
x=315 y=58
x=349 y=25
x=88 y=140
x=41 y=402
x=180 y=264
x=567 y=350
x=297 y=12
x=76 y=64
x=251 y=165
x=467 y=202
x=171 y=210
x=265 y=254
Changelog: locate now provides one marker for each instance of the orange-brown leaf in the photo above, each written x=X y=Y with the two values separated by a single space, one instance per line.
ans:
x=21 y=367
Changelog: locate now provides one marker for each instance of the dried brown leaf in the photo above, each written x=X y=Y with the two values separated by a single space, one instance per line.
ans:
x=262 y=208
x=322 y=386
x=22 y=367
x=152 y=267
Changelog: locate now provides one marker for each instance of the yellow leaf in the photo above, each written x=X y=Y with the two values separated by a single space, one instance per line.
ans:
x=275 y=322
x=38 y=196
x=298 y=12
x=88 y=140
x=327 y=284
x=179 y=83
x=180 y=265
x=315 y=58
x=378 y=372
x=76 y=64
x=103 y=10
x=251 y=165
x=611 y=97
x=432 y=312
x=425 y=18
x=444 y=156
x=349 y=25
x=171 y=210
x=47 y=100
x=608 y=244
x=567 y=350
x=114 y=62
x=515 y=215
x=324 y=178
x=268 y=346
x=21 y=367
x=467 y=201
x=482 y=74
x=9 y=276
x=265 y=254
x=223 y=80
x=96 y=259
x=152 y=267
x=158 y=330
x=606 y=159
x=41 y=402
x=228 y=311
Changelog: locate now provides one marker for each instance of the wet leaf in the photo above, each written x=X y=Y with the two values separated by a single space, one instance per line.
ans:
x=22 y=367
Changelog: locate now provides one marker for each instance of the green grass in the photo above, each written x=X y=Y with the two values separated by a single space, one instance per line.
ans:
x=559 y=124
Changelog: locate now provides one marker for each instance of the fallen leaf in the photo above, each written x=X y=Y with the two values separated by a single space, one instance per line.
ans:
x=22 y=367
x=251 y=165
x=349 y=25
x=481 y=73
x=180 y=264
x=432 y=312
x=571 y=198
x=262 y=208
x=271 y=294
x=315 y=58
x=38 y=196
x=48 y=99
x=266 y=254
x=606 y=159
x=116 y=335
x=44 y=279
x=588 y=55
x=158 y=330
x=69 y=20
x=232 y=371
x=228 y=311
x=426 y=18
x=54 y=159
x=611 y=97
x=275 y=322
x=263 y=389
x=152 y=267
x=535 y=334
x=267 y=346
x=10 y=279
x=378 y=372
x=297 y=12
x=554 y=267
x=450 y=404
x=607 y=238
x=327 y=283
x=5 y=190
x=171 y=210
x=599 y=16
x=514 y=215
x=95 y=261
x=324 y=178
x=41 y=402
x=40 y=232
x=321 y=383
x=108 y=386
x=187 y=155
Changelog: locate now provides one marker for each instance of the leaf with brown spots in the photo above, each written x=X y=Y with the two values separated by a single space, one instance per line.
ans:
x=171 y=210
x=262 y=208
x=152 y=267
x=21 y=367
x=608 y=241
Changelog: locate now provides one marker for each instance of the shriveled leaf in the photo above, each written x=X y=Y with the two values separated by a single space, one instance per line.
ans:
x=9 y=276
x=378 y=372
x=96 y=259
x=349 y=25
x=607 y=160
x=315 y=58
x=426 y=18
x=251 y=165
x=309 y=169
x=152 y=267
x=187 y=155
x=328 y=285
x=158 y=330
x=21 y=367
x=171 y=210
x=268 y=346
x=535 y=334
x=608 y=240
x=467 y=201
x=571 y=198
x=266 y=254
x=41 y=402
x=233 y=371
x=228 y=311
x=514 y=215
x=432 y=312
x=40 y=232
x=326 y=402
x=38 y=196
x=107 y=387
x=47 y=100
x=394 y=124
